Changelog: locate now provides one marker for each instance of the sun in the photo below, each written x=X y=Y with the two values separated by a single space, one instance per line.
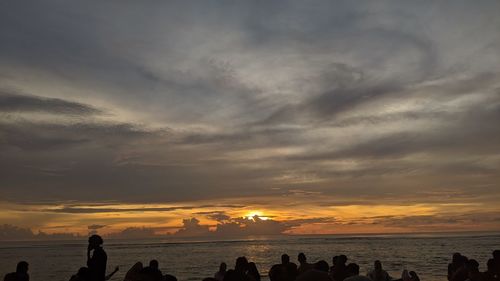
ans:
x=252 y=214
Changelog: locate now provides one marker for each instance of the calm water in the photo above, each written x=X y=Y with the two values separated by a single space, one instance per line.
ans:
x=426 y=254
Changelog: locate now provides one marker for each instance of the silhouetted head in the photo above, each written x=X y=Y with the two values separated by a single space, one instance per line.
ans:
x=222 y=267
x=456 y=258
x=252 y=267
x=241 y=264
x=414 y=276
x=342 y=259
x=496 y=254
x=22 y=267
x=334 y=260
x=302 y=258
x=472 y=265
x=352 y=269
x=377 y=265
x=464 y=260
x=169 y=277
x=95 y=241
x=83 y=272
x=491 y=265
x=154 y=264
x=285 y=259
x=321 y=266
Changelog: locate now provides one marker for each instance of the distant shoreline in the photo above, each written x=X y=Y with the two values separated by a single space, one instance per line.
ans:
x=176 y=240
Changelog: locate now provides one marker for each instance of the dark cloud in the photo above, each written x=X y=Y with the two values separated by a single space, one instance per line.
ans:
x=95 y=226
x=438 y=220
x=13 y=233
x=134 y=233
x=24 y=103
x=219 y=216
x=93 y=210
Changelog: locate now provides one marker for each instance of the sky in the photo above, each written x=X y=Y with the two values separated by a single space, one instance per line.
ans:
x=238 y=118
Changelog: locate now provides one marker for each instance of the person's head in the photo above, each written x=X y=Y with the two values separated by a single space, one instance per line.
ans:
x=342 y=259
x=334 y=260
x=414 y=276
x=241 y=264
x=472 y=266
x=321 y=266
x=154 y=264
x=95 y=241
x=456 y=258
x=252 y=267
x=22 y=267
x=285 y=259
x=83 y=272
x=377 y=265
x=169 y=277
x=496 y=254
x=352 y=269
x=464 y=260
x=491 y=265
x=302 y=258
x=222 y=267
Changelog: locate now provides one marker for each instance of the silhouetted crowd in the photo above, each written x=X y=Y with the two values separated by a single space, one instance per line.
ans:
x=460 y=269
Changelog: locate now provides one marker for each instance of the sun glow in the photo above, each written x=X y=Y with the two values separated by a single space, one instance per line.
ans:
x=250 y=215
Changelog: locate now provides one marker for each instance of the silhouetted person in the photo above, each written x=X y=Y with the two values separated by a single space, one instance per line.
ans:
x=253 y=271
x=378 y=274
x=134 y=273
x=319 y=272
x=473 y=271
x=409 y=276
x=21 y=273
x=286 y=271
x=338 y=271
x=456 y=263
x=169 y=277
x=303 y=264
x=97 y=261
x=219 y=275
x=83 y=274
x=239 y=273
x=490 y=274
x=496 y=258
x=152 y=272
x=461 y=273
x=352 y=271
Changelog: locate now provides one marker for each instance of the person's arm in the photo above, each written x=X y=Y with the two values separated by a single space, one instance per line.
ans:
x=112 y=273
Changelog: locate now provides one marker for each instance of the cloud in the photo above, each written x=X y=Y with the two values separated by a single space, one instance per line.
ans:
x=134 y=233
x=23 y=103
x=13 y=233
x=352 y=101
x=192 y=228
x=242 y=226
x=218 y=216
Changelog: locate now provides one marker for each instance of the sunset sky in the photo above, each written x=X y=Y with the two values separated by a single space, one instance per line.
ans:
x=237 y=118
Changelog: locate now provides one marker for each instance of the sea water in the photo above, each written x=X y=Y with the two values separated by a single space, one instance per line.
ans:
x=428 y=255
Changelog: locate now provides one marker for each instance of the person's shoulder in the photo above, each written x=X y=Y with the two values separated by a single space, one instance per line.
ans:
x=10 y=277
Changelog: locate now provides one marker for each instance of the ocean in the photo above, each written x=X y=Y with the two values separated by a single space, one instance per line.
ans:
x=427 y=254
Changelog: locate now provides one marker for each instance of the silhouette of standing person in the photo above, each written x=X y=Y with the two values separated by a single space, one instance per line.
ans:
x=97 y=262
x=21 y=273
